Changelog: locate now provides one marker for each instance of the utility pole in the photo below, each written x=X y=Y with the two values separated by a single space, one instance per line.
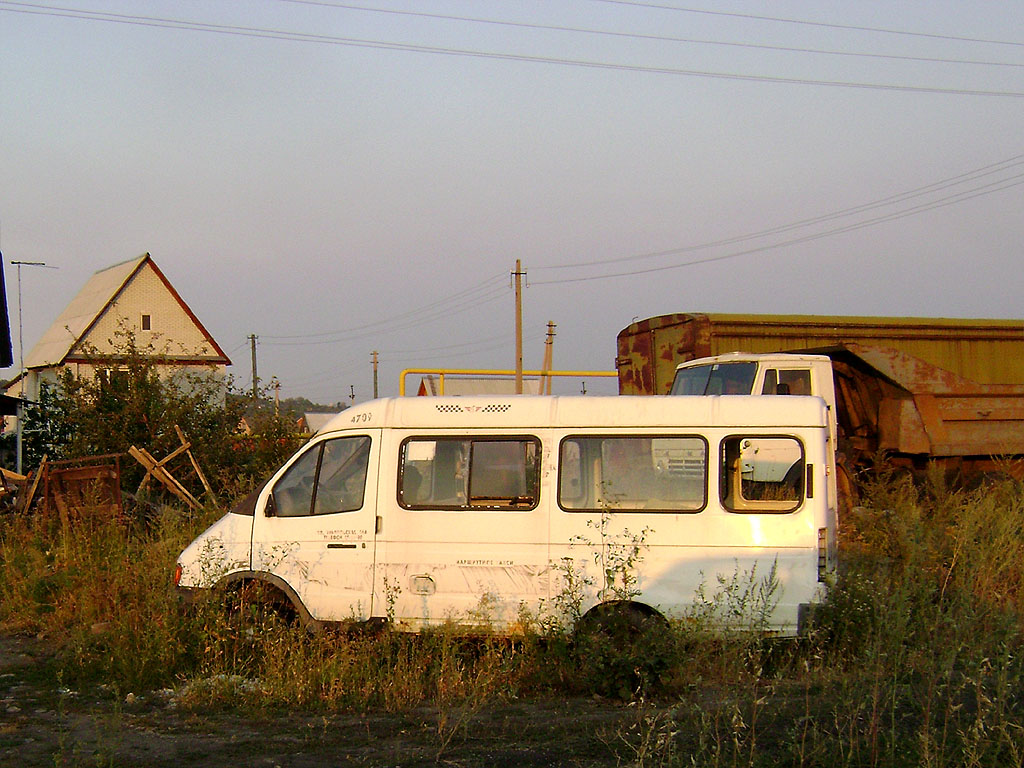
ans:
x=374 y=374
x=549 y=342
x=352 y=393
x=255 y=378
x=21 y=367
x=518 y=276
x=277 y=395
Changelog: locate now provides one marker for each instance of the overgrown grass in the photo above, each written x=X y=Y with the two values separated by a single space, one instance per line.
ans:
x=917 y=660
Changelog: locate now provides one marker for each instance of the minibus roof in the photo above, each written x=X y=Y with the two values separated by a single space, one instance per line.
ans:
x=618 y=411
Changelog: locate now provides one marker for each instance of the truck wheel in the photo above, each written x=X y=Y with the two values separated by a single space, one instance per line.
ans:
x=846 y=487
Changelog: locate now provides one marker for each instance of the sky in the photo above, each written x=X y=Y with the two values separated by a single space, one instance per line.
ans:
x=339 y=178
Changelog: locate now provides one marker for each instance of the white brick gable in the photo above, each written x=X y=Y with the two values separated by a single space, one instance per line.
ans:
x=173 y=331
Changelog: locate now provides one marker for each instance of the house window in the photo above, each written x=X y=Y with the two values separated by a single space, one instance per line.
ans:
x=146 y=325
x=113 y=381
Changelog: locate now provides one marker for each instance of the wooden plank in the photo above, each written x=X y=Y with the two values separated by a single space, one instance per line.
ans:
x=173 y=455
x=24 y=505
x=13 y=476
x=161 y=473
x=195 y=464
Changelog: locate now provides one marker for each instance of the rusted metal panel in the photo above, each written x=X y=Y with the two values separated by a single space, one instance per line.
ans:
x=648 y=352
x=635 y=364
x=984 y=351
x=929 y=411
x=901 y=429
x=979 y=425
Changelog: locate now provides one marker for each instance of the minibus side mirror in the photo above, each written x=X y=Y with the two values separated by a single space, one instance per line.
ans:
x=270 y=509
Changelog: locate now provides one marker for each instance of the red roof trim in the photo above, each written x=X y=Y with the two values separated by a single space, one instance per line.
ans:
x=185 y=307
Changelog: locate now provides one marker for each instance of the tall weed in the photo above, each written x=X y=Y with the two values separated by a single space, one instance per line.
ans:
x=916 y=660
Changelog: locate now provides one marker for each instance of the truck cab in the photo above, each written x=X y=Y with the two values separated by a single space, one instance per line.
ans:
x=747 y=373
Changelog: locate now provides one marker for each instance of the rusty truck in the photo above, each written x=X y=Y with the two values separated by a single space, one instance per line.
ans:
x=918 y=390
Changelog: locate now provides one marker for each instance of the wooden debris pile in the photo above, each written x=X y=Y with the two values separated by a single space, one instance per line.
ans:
x=95 y=481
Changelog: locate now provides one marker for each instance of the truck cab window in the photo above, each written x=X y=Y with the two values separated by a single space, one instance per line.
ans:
x=783 y=381
x=715 y=379
x=329 y=477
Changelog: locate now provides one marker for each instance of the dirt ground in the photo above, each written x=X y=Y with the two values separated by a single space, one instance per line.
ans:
x=43 y=723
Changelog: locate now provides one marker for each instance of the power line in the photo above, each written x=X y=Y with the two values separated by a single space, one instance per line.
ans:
x=388 y=357
x=486 y=286
x=446 y=347
x=987 y=189
x=947 y=183
x=647 y=37
x=803 y=22
x=416 y=318
x=256 y=32
x=236 y=348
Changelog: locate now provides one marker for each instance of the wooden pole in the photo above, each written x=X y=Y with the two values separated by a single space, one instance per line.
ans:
x=255 y=378
x=518 y=274
x=548 y=345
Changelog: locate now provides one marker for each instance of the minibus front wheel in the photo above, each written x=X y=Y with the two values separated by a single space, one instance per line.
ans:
x=259 y=598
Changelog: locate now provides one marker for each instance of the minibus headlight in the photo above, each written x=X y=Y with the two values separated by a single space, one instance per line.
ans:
x=177 y=574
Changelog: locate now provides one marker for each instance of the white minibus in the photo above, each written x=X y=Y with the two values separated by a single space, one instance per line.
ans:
x=426 y=510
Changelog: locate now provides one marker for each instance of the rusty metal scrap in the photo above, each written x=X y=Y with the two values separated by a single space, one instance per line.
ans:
x=985 y=351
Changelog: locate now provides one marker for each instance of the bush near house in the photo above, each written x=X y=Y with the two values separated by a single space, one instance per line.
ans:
x=135 y=402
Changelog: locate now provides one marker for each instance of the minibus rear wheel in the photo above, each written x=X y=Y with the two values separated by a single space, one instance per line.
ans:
x=623 y=648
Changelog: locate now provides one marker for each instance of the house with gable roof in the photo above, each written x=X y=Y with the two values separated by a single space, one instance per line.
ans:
x=132 y=296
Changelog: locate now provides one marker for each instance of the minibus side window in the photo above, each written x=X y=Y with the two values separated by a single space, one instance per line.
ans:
x=477 y=473
x=503 y=472
x=633 y=473
x=329 y=477
x=762 y=474
x=341 y=480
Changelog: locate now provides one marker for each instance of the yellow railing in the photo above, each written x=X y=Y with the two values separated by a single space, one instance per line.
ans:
x=441 y=373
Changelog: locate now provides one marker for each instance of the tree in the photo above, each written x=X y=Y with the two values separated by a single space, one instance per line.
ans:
x=137 y=398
